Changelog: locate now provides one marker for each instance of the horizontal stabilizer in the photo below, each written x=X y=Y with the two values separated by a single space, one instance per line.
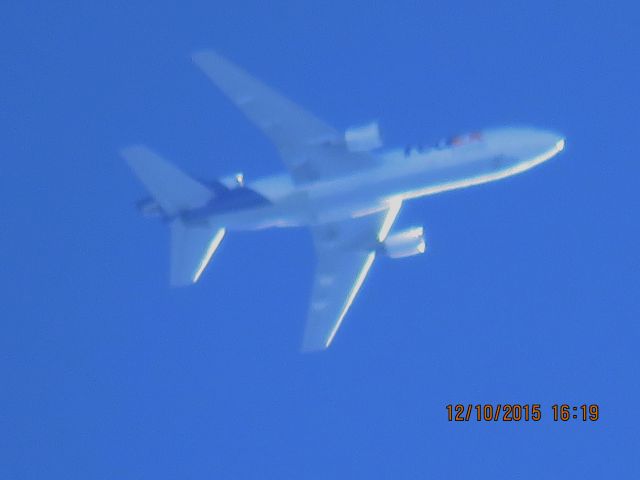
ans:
x=191 y=250
x=172 y=189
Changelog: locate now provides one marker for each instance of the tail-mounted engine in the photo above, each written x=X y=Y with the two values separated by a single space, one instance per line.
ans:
x=233 y=181
x=405 y=243
x=363 y=138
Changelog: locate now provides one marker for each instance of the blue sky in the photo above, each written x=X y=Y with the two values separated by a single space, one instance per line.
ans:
x=528 y=292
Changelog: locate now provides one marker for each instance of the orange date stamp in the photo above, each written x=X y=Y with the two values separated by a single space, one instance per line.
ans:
x=521 y=412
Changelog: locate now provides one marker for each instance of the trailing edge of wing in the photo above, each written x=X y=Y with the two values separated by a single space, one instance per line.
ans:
x=282 y=120
x=338 y=281
x=346 y=252
x=310 y=148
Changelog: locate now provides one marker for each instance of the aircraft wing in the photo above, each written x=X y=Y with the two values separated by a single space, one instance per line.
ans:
x=310 y=148
x=345 y=252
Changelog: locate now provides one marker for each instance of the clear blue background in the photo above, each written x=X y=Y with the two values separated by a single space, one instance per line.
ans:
x=528 y=293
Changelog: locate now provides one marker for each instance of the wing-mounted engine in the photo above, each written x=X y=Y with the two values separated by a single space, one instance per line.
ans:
x=363 y=138
x=405 y=243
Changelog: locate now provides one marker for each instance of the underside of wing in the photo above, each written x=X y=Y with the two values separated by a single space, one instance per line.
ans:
x=345 y=252
x=310 y=148
x=338 y=280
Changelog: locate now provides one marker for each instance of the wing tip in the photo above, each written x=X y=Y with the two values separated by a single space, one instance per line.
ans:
x=135 y=153
x=200 y=56
x=314 y=344
x=313 y=348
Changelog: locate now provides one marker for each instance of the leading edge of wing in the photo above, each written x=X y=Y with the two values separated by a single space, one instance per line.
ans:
x=327 y=313
x=286 y=124
x=346 y=251
x=310 y=148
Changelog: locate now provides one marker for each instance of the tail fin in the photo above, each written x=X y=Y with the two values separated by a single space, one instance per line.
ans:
x=191 y=249
x=192 y=246
x=172 y=189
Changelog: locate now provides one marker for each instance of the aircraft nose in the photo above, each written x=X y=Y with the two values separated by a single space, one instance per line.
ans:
x=524 y=143
x=547 y=146
x=539 y=147
x=549 y=141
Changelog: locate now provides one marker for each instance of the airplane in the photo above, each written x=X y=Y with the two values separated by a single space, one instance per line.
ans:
x=341 y=185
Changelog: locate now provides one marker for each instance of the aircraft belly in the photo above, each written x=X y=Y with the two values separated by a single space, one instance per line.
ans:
x=284 y=214
x=351 y=196
x=421 y=176
x=348 y=197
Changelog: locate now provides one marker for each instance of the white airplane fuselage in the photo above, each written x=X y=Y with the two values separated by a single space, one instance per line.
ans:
x=339 y=183
x=399 y=174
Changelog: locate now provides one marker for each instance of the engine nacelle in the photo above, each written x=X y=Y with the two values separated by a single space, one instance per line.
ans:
x=405 y=243
x=363 y=138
